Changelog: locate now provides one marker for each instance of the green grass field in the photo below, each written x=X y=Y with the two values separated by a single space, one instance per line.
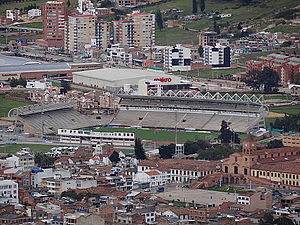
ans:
x=172 y=36
x=37 y=25
x=8 y=104
x=286 y=109
x=16 y=148
x=162 y=135
x=3 y=40
x=229 y=189
x=211 y=74
x=21 y=4
x=279 y=96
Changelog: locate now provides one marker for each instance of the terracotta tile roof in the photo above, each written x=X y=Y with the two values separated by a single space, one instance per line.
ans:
x=277 y=150
x=184 y=164
x=152 y=173
x=284 y=166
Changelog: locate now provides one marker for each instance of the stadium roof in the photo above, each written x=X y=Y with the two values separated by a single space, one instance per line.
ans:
x=115 y=74
x=34 y=67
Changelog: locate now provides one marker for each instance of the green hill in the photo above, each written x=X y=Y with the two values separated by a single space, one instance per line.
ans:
x=260 y=15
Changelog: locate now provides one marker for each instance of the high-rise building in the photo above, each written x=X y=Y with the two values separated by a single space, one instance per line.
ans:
x=208 y=38
x=80 y=33
x=137 y=30
x=123 y=32
x=177 y=58
x=102 y=34
x=54 y=21
x=217 y=56
x=144 y=29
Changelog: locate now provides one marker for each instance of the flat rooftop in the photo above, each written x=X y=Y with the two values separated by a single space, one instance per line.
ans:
x=204 y=197
x=115 y=74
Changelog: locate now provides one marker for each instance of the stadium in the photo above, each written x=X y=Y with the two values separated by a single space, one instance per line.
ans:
x=48 y=118
x=190 y=110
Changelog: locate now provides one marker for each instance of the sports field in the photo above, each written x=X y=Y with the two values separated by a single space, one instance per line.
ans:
x=286 y=109
x=162 y=135
x=8 y=104
x=17 y=147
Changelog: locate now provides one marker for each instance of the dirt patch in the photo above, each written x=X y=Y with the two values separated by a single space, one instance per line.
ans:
x=275 y=115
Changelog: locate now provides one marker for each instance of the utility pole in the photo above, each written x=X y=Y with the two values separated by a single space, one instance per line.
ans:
x=6 y=36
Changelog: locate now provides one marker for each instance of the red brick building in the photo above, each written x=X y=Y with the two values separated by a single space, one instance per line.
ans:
x=284 y=65
x=54 y=22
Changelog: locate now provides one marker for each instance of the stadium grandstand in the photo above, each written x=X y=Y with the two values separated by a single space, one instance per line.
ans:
x=192 y=111
x=48 y=118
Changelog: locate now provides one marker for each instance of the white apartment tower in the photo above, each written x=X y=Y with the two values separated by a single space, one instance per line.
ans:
x=9 y=192
x=217 y=56
x=177 y=58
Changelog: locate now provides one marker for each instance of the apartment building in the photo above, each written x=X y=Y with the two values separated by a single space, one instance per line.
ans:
x=177 y=58
x=79 y=218
x=32 y=13
x=9 y=192
x=54 y=22
x=258 y=199
x=217 y=56
x=123 y=32
x=126 y=3
x=56 y=186
x=26 y=160
x=291 y=140
x=208 y=38
x=86 y=7
x=153 y=177
x=13 y=14
x=143 y=28
x=284 y=65
x=119 y=55
x=138 y=30
x=80 y=33
x=103 y=34
x=180 y=170
x=94 y=138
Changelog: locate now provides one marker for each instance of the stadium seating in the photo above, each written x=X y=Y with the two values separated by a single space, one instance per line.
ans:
x=63 y=118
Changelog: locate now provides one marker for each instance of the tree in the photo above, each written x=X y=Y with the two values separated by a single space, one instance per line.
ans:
x=44 y=161
x=167 y=151
x=65 y=85
x=216 y=26
x=202 y=5
x=283 y=221
x=267 y=80
x=195 y=7
x=114 y=157
x=200 y=51
x=216 y=153
x=139 y=150
x=227 y=136
x=275 y=144
x=159 y=20
x=270 y=80
x=68 y=3
x=193 y=147
x=267 y=219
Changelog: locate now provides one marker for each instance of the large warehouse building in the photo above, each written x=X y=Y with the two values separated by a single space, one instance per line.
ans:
x=115 y=77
